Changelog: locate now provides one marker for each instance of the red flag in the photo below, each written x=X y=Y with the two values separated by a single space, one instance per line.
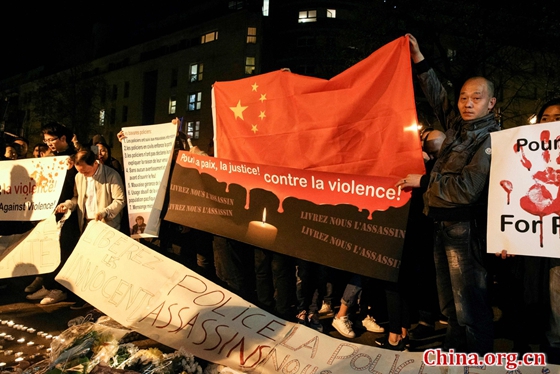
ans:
x=362 y=121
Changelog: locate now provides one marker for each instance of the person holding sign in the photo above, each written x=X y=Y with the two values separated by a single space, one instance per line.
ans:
x=58 y=137
x=98 y=194
x=456 y=198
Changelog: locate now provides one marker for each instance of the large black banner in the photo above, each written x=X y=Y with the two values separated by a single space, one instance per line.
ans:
x=316 y=216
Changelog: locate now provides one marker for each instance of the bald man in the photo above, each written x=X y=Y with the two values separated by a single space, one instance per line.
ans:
x=456 y=199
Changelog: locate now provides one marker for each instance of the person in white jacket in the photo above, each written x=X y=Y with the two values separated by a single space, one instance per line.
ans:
x=98 y=193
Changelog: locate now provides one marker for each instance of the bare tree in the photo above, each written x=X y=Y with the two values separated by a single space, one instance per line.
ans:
x=70 y=97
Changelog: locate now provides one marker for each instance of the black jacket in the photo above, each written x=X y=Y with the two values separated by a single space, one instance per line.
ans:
x=458 y=183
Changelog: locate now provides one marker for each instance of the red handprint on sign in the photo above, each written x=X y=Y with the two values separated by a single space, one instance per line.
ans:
x=539 y=200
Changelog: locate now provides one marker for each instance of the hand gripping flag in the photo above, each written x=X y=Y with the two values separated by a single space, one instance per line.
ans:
x=362 y=121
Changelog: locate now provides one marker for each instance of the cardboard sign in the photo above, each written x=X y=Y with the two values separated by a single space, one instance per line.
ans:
x=524 y=201
x=147 y=152
x=30 y=188
x=161 y=299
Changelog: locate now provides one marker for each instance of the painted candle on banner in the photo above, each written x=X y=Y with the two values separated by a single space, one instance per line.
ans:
x=147 y=152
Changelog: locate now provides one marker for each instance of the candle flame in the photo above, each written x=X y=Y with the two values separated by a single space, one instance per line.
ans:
x=264 y=215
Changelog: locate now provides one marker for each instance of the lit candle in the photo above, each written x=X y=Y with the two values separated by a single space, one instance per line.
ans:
x=260 y=233
x=21 y=340
x=30 y=343
x=31 y=330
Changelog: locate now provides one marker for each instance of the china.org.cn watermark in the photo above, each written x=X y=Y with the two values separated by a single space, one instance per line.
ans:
x=510 y=361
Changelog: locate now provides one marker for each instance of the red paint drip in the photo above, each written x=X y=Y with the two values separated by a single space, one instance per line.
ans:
x=336 y=188
x=508 y=187
x=545 y=138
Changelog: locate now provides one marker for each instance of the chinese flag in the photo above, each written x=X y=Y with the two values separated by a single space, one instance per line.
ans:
x=362 y=121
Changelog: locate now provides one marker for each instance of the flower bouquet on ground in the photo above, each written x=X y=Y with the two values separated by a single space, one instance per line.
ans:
x=92 y=348
x=81 y=347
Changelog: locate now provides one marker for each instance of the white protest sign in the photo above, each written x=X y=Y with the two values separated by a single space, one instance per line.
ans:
x=523 y=200
x=30 y=188
x=147 y=152
x=31 y=253
x=149 y=293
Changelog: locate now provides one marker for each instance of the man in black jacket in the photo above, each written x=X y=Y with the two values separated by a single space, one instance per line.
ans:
x=456 y=198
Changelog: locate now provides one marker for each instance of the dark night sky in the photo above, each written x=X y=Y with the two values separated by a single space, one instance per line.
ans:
x=34 y=33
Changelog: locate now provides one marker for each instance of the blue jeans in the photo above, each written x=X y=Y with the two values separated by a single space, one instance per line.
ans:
x=352 y=291
x=462 y=287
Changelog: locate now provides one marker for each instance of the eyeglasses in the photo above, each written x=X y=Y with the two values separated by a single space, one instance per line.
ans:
x=51 y=140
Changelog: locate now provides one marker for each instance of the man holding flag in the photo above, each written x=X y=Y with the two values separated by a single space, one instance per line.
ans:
x=456 y=199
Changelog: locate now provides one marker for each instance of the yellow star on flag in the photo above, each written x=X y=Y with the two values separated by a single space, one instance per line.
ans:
x=262 y=115
x=238 y=110
x=263 y=98
x=255 y=86
x=254 y=129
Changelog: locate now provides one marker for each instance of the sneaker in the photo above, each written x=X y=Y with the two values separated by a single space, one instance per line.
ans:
x=301 y=318
x=38 y=295
x=54 y=297
x=344 y=326
x=314 y=323
x=35 y=285
x=326 y=310
x=383 y=342
x=370 y=325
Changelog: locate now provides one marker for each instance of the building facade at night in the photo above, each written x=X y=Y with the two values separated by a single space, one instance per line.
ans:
x=169 y=71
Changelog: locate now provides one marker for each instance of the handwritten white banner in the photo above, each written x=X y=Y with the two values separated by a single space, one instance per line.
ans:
x=30 y=188
x=161 y=299
x=35 y=252
x=523 y=200
x=147 y=152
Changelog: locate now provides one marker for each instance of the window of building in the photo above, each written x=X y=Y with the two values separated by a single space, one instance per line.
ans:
x=195 y=101
x=126 y=92
x=115 y=92
x=102 y=117
x=172 y=105
x=236 y=4
x=265 y=8
x=209 y=37
x=124 y=113
x=331 y=13
x=307 y=16
x=196 y=71
x=174 y=77
x=249 y=65
x=113 y=116
x=193 y=129
x=251 y=35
